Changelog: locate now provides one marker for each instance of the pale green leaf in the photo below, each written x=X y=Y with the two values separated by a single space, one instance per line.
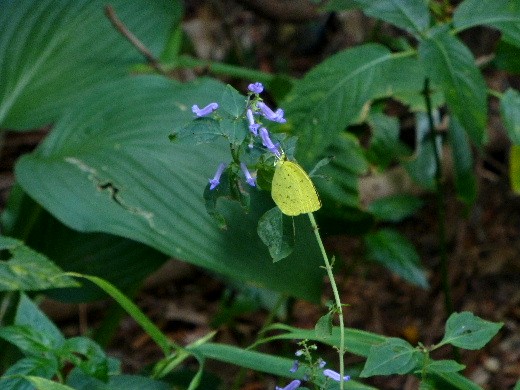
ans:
x=465 y=330
x=394 y=356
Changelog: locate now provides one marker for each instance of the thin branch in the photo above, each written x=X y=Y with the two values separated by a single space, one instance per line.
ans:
x=120 y=26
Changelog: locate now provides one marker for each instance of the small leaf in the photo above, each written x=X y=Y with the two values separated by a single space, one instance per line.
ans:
x=274 y=235
x=394 y=356
x=510 y=111
x=465 y=330
x=323 y=327
x=395 y=208
x=437 y=366
x=233 y=102
x=465 y=179
x=46 y=384
x=395 y=252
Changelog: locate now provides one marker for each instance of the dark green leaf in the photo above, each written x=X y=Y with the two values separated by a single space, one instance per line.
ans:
x=465 y=179
x=423 y=167
x=28 y=340
x=278 y=238
x=501 y=14
x=28 y=314
x=233 y=102
x=437 y=366
x=510 y=111
x=451 y=66
x=465 y=330
x=507 y=57
x=411 y=15
x=323 y=327
x=41 y=366
x=52 y=51
x=394 y=356
x=109 y=167
x=395 y=252
x=28 y=270
x=87 y=355
x=395 y=208
x=385 y=145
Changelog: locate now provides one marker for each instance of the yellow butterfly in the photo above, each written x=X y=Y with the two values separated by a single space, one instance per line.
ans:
x=292 y=189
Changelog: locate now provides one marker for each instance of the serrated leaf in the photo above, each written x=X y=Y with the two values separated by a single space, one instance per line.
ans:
x=28 y=270
x=278 y=238
x=391 y=249
x=451 y=66
x=465 y=179
x=510 y=111
x=52 y=51
x=437 y=366
x=501 y=14
x=112 y=158
x=465 y=330
x=394 y=356
x=411 y=15
x=233 y=102
x=395 y=208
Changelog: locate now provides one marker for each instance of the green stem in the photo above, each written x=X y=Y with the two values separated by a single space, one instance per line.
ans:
x=328 y=267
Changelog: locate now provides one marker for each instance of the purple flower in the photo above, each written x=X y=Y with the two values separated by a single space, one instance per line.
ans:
x=275 y=116
x=256 y=87
x=295 y=366
x=321 y=363
x=291 y=386
x=216 y=179
x=253 y=127
x=266 y=141
x=334 y=375
x=204 y=111
x=299 y=352
x=250 y=179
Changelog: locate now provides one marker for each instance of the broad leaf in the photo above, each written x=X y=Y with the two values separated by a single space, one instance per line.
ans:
x=108 y=167
x=411 y=15
x=52 y=51
x=28 y=270
x=395 y=208
x=465 y=330
x=465 y=179
x=276 y=234
x=395 y=252
x=501 y=14
x=394 y=356
x=36 y=366
x=451 y=66
x=438 y=366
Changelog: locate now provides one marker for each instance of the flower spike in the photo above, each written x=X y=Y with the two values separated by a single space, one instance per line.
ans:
x=256 y=87
x=199 y=112
x=266 y=141
x=253 y=127
x=216 y=179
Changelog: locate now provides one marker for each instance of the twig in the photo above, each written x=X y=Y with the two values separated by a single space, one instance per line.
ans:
x=120 y=26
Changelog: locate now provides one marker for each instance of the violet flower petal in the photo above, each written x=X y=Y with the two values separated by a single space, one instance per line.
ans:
x=199 y=112
x=250 y=179
x=216 y=179
x=291 y=386
x=256 y=87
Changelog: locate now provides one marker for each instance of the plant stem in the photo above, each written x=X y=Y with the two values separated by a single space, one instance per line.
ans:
x=441 y=210
x=328 y=267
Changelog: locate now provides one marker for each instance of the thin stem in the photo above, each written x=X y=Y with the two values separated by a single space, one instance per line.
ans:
x=328 y=267
x=441 y=210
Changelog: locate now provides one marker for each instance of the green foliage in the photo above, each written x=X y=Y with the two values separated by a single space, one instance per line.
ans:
x=106 y=191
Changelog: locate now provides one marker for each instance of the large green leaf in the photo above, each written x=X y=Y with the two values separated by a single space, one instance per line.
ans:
x=333 y=94
x=451 y=66
x=51 y=51
x=108 y=167
x=411 y=15
x=501 y=14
